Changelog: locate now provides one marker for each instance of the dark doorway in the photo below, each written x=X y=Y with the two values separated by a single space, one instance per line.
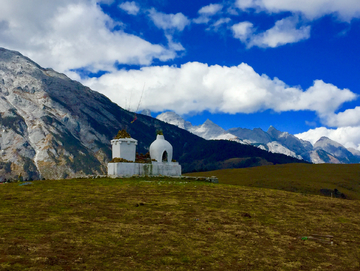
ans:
x=165 y=156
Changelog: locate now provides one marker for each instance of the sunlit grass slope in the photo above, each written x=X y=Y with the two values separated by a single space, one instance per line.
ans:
x=165 y=224
x=302 y=178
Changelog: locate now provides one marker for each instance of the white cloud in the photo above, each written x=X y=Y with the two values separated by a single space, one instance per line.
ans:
x=195 y=87
x=282 y=33
x=207 y=12
x=164 y=21
x=322 y=98
x=245 y=4
x=70 y=34
x=312 y=9
x=221 y=21
x=210 y=10
x=347 y=136
x=175 y=46
x=232 y=11
x=347 y=131
x=130 y=7
x=201 y=20
x=285 y=31
x=350 y=117
x=107 y=2
x=218 y=24
x=243 y=31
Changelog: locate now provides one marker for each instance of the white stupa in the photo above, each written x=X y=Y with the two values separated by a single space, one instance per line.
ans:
x=161 y=150
x=124 y=153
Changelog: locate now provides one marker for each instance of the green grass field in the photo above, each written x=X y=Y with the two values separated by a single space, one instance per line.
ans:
x=301 y=178
x=172 y=224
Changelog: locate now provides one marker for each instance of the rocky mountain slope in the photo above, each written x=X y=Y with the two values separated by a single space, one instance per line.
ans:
x=273 y=140
x=337 y=150
x=54 y=127
x=51 y=125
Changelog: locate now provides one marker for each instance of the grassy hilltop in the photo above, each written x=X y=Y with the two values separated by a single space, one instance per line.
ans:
x=173 y=224
x=301 y=178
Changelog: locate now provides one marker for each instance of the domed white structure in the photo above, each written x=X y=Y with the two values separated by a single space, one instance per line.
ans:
x=161 y=153
x=161 y=150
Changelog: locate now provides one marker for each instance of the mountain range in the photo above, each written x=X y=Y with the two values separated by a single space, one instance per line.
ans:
x=54 y=127
x=324 y=150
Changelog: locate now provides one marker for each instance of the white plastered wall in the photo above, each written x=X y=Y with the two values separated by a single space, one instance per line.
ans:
x=124 y=148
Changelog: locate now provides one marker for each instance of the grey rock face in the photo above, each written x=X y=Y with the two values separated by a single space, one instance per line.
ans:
x=300 y=147
x=320 y=156
x=207 y=130
x=42 y=130
x=355 y=152
x=174 y=119
x=254 y=136
x=335 y=149
x=52 y=126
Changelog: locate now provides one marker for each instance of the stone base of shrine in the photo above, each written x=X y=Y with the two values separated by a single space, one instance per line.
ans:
x=140 y=169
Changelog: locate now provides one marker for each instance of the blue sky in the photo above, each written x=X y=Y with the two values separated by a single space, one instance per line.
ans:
x=240 y=63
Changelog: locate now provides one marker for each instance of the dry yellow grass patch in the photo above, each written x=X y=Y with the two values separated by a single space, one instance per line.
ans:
x=164 y=224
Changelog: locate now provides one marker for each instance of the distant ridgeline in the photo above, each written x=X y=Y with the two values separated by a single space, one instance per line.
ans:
x=324 y=150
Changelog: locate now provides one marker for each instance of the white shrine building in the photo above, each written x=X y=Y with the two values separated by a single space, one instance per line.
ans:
x=124 y=163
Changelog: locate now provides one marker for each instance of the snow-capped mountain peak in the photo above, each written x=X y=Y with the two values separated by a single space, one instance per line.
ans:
x=174 y=119
x=336 y=149
x=325 y=141
x=207 y=130
x=253 y=136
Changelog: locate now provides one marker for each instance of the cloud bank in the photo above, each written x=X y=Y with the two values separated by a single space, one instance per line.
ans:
x=195 y=87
